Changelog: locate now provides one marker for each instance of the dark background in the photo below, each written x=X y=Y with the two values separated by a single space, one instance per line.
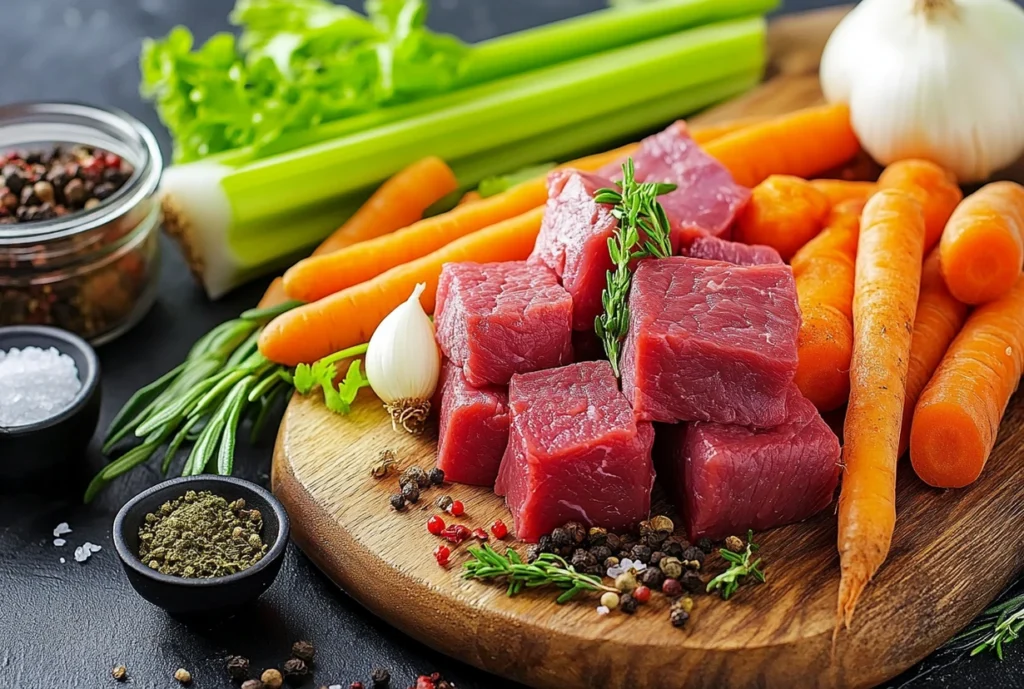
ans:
x=66 y=625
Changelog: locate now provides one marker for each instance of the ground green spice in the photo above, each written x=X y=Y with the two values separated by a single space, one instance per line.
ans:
x=201 y=535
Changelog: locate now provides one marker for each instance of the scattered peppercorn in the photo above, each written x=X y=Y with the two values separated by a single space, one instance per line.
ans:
x=456 y=533
x=734 y=543
x=610 y=562
x=480 y=534
x=610 y=600
x=656 y=557
x=456 y=509
x=411 y=492
x=295 y=670
x=436 y=476
x=304 y=651
x=443 y=502
x=238 y=667
x=626 y=581
x=533 y=551
x=272 y=679
x=435 y=525
x=662 y=524
x=441 y=554
x=678 y=617
x=692 y=554
x=252 y=684
x=613 y=541
x=414 y=475
x=577 y=532
x=705 y=544
x=546 y=543
x=385 y=462
x=672 y=548
x=684 y=603
x=380 y=678
x=582 y=558
x=672 y=588
x=671 y=567
x=397 y=502
x=120 y=673
x=628 y=604
x=182 y=675
x=652 y=578
x=597 y=536
x=499 y=529
x=642 y=594
x=641 y=552
x=691 y=581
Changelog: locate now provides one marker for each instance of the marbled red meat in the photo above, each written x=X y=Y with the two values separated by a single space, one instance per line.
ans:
x=727 y=479
x=498 y=319
x=573 y=240
x=575 y=452
x=709 y=341
x=707 y=199
x=473 y=431
x=714 y=249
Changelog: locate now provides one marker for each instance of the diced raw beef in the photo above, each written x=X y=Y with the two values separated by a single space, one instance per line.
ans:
x=714 y=249
x=707 y=199
x=498 y=319
x=573 y=240
x=575 y=452
x=727 y=479
x=709 y=341
x=473 y=430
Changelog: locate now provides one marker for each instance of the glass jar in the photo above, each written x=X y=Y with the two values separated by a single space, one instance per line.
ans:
x=93 y=272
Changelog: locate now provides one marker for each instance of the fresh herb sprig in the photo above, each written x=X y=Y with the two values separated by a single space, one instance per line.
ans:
x=999 y=625
x=223 y=382
x=741 y=566
x=323 y=373
x=643 y=232
x=547 y=570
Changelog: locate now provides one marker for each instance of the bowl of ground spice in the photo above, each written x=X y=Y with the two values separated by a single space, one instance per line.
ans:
x=202 y=544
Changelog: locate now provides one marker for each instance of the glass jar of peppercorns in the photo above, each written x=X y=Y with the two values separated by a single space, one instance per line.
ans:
x=79 y=220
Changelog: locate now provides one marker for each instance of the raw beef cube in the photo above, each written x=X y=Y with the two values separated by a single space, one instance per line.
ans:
x=707 y=199
x=573 y=240
x=714 y=249
x=709 y=341
x=497 y=319
x=473 y=430
x=575 y=452
x=728 y=479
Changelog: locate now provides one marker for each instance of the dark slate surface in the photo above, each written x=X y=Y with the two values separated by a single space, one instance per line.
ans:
x=68 y=624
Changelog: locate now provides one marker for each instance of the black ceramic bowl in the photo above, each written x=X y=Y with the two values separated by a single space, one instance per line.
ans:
x=48 y=448
x=181 y=596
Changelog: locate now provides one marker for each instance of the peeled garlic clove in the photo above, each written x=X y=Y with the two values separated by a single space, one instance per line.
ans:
x=403 y=363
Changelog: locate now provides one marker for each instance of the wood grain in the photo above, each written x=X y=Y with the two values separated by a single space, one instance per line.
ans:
x=953 y=551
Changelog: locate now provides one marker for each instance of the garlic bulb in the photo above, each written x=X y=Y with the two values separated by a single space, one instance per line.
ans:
x=403 y=363
x=935 y=79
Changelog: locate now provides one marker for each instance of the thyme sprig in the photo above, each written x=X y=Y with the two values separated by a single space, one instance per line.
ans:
x=643 y=232
x=547 y=570
x=999 y=625
x=741 y=566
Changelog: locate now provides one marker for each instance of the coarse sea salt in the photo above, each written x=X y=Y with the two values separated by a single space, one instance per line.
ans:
x=35 y=384
x=85 y=551
x=61 y=529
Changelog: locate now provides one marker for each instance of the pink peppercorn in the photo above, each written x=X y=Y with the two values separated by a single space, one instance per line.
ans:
x=435 y=525
x=499 y=529
x=642 y=594
x=457 y=508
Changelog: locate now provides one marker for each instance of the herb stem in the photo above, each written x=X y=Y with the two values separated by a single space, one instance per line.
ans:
x=547 y=570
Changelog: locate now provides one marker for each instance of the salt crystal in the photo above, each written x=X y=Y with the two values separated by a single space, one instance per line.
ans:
x=59 y=542
x=62 y=560
x=35 y=384
x=334 y=686
x=62 y=528
x=85 y=551
x=603 y=610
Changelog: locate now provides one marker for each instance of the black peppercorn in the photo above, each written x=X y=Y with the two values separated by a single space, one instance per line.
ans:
x=577 y=532
x=652 y=578
x=691 y=581
x=641 y=552
x=238 y=667
x=533 y=551
x=380 y=678
x=600 y=552
x=613 y=541
x=628 y=604
x=411 y=492
x=582 y=558
x=692 y=554
x=595 y=570
x=705 y=544
x=414 y=475
x=656 y=557
x=678 y=617
x=303 y=650
x=655 y=539
x=294 y=670
x=672 y=548
x=560 y=538
x=597 y=536
x=436 y=476
x=398 y=501
x=546 y=543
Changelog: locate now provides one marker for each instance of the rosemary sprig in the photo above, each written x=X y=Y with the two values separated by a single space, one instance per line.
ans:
x=223 y=381
x=643 y=232
x=999 y=625
x=740 y=568
x=547 y=570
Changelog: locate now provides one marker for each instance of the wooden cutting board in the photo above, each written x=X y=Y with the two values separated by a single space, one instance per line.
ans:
x=953 y=551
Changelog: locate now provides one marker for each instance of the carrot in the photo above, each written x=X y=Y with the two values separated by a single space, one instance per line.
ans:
x=784 y=213
x=397 y=203
x=888 y=278
x=274 y=295
x=939 y=318
x=313 y=331
x=839 y=190
x=933 y=187
x=469 y=197
x=957 y=419
x=710 y=132
x=804 y=143
x=982 y=246
x=824 y=271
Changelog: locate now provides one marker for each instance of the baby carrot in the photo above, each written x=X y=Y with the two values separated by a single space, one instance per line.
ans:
x=888 y=279
x=274 y=295
x=957 y=419
x=348 y=318
x=982 y=246
x=939 y=318
x=804 y=143
x=469 y=197
x=784 y=213
x=933 y=187
x=824 y=272
x=839 y=190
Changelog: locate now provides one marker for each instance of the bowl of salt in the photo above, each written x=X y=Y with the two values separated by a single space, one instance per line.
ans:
x=49 y=402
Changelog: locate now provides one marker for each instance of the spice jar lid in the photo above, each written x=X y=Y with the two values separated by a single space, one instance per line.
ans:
x=25 y=125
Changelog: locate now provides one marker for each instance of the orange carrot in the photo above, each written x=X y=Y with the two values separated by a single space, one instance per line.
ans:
x=824 y=271
x=939 y=318
x=313 y=331
x=933 y=187
x=784 y=213
x=839 y=190
x=397 y=203
x=804 y=143
x=982 y=246
x=710 y=132
x=889 y=255
x=274 y=295
x=469 y=197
